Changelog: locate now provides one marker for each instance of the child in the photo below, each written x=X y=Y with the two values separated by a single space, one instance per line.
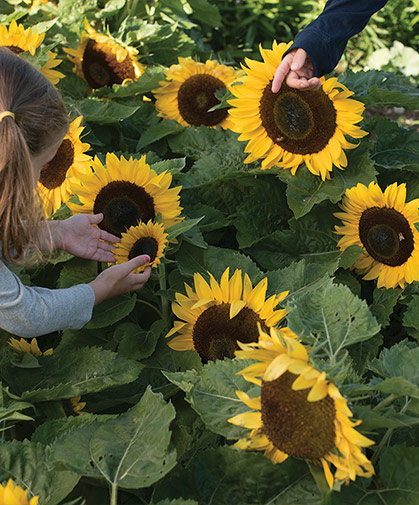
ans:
x=33 y=123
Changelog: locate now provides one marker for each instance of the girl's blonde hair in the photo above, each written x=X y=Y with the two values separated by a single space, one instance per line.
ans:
x=40 y=115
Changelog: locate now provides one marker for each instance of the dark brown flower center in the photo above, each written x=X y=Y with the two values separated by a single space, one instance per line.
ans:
x=145 y=245
x=101 y=68
x=123 y=204
x=15 y=49
x=301 y=122
x=196 y=96
x=53 y=174
x=300 y=428
x=386 y=235
x=215 y=335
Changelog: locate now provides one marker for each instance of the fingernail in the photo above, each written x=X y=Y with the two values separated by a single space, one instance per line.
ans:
x=147 y=258
x=294 y=66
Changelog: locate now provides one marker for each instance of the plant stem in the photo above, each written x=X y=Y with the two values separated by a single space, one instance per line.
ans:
x=144 y=302
x=385 y=402
x=114 y=494
x=164 y=300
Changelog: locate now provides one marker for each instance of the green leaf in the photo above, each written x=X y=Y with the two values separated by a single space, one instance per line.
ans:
x=77 y=271
x=131 y=451
x=206 y=12
x=332 y=317
x=193 y=260
x=375 y=87
x=157 y=132
x=179 y=501
x=384 y=301
x=390 y=419
x=350 y=255
x=395 y=148
x=411 y=316
x=306 y=190
x=174 y=165
x=398 y=368
x=181 y=227
x=95 y=110
x=111 y=311
x=212 y=218
x=66 y=374
x=136 y=343
x=212 y=394
x=29 y=465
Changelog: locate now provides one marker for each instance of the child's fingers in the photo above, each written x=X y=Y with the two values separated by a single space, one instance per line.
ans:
x=299 y=59
x=129 y=266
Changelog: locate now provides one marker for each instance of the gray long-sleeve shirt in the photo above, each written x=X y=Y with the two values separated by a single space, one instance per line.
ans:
x=32 y=311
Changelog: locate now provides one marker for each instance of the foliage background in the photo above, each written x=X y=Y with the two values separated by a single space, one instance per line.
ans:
x=155 y=431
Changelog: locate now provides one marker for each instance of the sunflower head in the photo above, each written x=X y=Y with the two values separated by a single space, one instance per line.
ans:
x=144 y=238
x=214 y=316
x=383 y=224
x=18 y=39
x=22 y=347
x=188 y=93
x=299 y=412
x=53 y=184
x=102 y=61
x=292 y=126
x=11 y=493
x=126 y=191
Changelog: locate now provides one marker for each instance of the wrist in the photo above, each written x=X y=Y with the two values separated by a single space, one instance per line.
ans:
x=100 y=290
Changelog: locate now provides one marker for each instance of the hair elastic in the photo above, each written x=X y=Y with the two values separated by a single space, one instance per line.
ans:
x=6 y=113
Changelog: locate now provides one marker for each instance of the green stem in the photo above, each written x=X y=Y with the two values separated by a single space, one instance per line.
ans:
x=322 y=485
x=164 y=300
x=114 y=494
x=385 y=402
x=386 y=437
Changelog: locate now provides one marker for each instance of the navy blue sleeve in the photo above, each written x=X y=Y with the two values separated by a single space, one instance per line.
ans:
x=325 y=38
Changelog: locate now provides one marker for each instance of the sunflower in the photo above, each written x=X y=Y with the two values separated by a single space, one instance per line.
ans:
x=126 y=191
x=19 y=40
x=299 y=412
x=142 y=239
x=188 y=92
x=53 y=184
x=101 y=61
x=14 y=494
x=383 y=224
x=22 y=346
x=293 y=126
x=216 y=316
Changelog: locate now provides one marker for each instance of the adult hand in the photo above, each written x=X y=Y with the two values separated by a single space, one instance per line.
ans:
x=296 y=66
x=78 y=236
x=119 y=279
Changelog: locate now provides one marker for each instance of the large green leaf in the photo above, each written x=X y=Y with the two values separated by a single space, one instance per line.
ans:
x=130 y=451
x=411 y=316
x=384 y=301
x=95 y=110
x=67 y=374
x=31 y=467
x=135 y=342
x=157 y=132
x=306 y=190
x=77 y=271
x=397 y=367
x=375 y=87
x=212 y=394
x=395 y=147
x=206 y=12
x=331 y=317
x=111 y=311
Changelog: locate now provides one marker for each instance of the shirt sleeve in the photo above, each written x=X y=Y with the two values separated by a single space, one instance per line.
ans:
x=325 y=38
x=32 y=311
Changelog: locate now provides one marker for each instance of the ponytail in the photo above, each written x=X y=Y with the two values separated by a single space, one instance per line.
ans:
x=39 y=113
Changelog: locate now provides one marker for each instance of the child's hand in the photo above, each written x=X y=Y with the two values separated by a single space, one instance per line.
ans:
x=296 y=66
x=78 y=236
x=119 y=279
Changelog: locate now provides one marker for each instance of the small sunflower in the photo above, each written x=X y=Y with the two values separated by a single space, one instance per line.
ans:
x=383 y=224
x=144 y=238
x=299 y=412
x=126 y=191
x=216 y=316
x=11 y=494
x=22 y=346
x=101 y=61
x=293 y=126
x=188 y=92
x=19 y=40
x=53 y=185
